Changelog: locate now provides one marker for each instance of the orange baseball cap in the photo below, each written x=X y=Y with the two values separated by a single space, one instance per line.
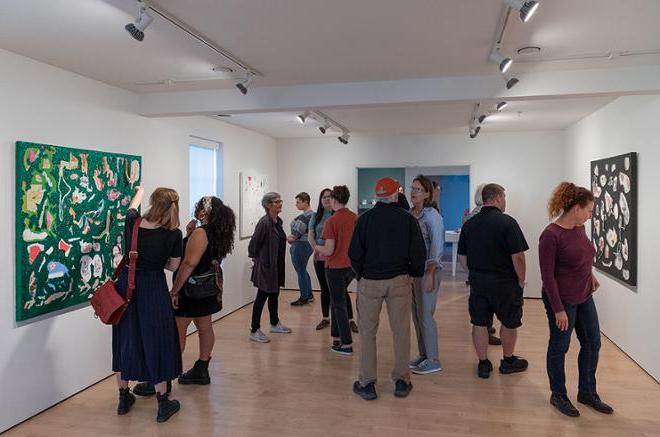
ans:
x=386 y=187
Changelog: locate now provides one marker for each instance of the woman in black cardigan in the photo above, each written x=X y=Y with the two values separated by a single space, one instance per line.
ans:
x=267 y=249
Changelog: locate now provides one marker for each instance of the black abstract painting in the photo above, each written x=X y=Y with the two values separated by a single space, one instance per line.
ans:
x=614 y=221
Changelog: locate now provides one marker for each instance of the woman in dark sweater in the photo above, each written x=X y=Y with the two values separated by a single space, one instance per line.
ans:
x=145 y=344
x=267 y=250
x=565 y=255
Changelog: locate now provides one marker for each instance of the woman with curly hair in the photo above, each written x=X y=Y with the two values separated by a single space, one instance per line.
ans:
x=209 y=243
x=565 y=255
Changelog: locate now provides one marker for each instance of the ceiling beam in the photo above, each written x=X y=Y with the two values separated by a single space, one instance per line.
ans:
x=533 y=86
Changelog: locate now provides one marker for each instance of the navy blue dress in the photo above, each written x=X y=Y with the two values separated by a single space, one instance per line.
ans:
x=145 y=344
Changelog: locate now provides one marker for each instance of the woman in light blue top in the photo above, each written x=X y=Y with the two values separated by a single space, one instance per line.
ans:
x=425 y=290
x=301 y=250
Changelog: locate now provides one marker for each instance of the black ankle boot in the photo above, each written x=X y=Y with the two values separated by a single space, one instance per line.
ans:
x=166 y=407
x=148 y=389
x=199 y=374
x=126 y=401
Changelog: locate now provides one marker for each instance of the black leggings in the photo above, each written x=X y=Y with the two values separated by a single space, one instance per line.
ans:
x=319 y=268
x=258 y=308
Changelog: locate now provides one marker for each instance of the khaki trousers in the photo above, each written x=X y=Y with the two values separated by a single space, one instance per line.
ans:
x=396 y=293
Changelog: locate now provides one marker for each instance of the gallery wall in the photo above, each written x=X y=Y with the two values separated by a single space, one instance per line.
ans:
x=50 y=358
x=513 y=159
x=628 y=316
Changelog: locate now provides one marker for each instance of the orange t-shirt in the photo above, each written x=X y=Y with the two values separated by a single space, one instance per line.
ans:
x=339 y=227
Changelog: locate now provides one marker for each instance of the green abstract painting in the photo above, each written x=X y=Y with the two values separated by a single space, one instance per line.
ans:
x=70 y=212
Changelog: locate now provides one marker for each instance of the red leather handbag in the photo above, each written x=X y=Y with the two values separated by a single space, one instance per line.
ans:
x=109 y=306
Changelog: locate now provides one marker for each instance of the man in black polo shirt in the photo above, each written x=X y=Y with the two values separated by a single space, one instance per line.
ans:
x=493 y=247
x=387 y=248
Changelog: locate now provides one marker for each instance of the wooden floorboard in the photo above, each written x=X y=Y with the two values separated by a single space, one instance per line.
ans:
x=294 y=386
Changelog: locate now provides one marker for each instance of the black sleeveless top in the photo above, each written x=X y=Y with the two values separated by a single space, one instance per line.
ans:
x=205 y=262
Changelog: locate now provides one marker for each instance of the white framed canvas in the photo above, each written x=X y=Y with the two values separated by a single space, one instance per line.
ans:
x=253 y=186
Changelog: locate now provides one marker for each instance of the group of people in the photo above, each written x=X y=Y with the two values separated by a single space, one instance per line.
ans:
x=393 y=252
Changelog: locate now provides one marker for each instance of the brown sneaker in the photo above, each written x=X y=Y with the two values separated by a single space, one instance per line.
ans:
x=323 y=324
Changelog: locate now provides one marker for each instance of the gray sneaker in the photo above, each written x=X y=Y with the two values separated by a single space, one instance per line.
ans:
x=259 y=337
x=414 y=363
x=427 y=366
x=280 y=329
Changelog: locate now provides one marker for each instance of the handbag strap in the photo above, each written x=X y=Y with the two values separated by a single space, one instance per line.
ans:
x=132 y=261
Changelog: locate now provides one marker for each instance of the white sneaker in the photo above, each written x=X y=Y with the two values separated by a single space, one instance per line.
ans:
x=280 y=329
x=259 y=337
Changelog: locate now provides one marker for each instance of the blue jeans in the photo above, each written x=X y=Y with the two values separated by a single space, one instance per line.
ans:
x=300 y=253
x=584 y=319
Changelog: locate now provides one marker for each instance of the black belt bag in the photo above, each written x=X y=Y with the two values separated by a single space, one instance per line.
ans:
x=207 y=284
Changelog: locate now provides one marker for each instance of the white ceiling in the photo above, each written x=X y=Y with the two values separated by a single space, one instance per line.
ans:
x=296 y=42
x=422 y=119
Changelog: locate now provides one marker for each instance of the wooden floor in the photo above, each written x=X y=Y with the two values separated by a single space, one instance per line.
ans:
x=295 y=387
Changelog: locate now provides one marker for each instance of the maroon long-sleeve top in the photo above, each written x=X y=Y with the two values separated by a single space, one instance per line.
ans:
x=566 y=256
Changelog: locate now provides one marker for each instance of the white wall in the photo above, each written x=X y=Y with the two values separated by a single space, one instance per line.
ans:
x=629 y=318
x=527 y=164
x=47 y=360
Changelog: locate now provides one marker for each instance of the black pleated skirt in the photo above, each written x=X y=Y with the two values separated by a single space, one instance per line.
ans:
x=145 y=344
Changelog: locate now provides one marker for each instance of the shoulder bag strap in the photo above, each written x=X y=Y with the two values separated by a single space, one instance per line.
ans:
x=132 y=259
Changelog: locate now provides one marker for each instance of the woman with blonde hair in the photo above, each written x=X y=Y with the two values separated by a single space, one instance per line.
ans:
x=565 y=255
x=145 y=344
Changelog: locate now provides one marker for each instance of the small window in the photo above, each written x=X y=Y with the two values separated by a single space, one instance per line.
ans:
x=205 y=173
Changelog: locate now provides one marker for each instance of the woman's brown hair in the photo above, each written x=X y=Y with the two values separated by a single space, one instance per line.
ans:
x=427 y=185
x=164 y=208
x=566 y=196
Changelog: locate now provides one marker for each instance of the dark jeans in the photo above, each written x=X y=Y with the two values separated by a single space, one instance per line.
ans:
x=258 y=308
x=584 y=318
x=338 y=280
x=319 y=267
x=300 y=253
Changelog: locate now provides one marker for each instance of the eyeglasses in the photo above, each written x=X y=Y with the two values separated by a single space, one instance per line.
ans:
x=277 y=201
x=416 y=189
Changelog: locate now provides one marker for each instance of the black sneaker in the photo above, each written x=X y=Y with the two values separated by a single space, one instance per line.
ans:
x=593 y=400
x=310 y=299
x=144 y=389
x=513 y=364
x=484 y=369
x=368 y=392
x=299 y=302
x=166 y=407
x=126 y=401
x=564 y=405
x=342 y=349
x=199 y=374
x=402 y=388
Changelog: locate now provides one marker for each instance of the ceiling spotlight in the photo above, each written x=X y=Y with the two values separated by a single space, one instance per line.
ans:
x=474 y=131
x=243 y=86
x=143 y=20
x=510 y=81
x=527 y=8
x=503 y=62
x=344 y=138
x=302 y=117
x=325 y=127
x=500 y=106
x=482 y=117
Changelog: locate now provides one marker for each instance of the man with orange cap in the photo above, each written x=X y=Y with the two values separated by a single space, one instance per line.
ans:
x=386 y=250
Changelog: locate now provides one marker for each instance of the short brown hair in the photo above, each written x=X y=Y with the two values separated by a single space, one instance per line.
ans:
x=428 y=187
x=164 y=208
x=304 y=197
x=341 y=194
x=565 y=196
x=491 y=191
